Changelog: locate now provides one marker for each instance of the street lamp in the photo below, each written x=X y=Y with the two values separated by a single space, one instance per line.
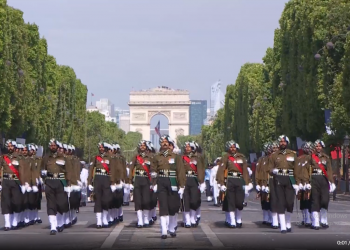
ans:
x=346 y=163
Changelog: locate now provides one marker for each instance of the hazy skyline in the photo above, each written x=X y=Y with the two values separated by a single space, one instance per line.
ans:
x=114 y=46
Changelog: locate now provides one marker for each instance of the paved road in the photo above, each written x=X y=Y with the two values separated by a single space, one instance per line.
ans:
x=209 y=235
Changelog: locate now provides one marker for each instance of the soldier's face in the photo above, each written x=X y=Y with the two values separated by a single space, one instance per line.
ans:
x=31 y=152
x=318 y=148
x=283 y=144
x=143 y=147
x=233 y=149
x=53 y=147
x=25 y=151
x=165 y=144
x=188 y=149
x=10 y=148
x=171 y=146
x=101 y=149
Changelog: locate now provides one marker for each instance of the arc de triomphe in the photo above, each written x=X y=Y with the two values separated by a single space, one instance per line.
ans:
x=172 y=103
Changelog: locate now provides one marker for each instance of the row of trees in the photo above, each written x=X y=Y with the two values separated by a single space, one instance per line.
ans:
x=40 y=99
x=306 y=72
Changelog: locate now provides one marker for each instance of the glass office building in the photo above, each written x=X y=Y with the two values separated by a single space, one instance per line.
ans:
x=198 y=114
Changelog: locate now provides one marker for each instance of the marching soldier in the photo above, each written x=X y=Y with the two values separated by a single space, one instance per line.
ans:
x=167 y=167
x=122 y=177
x=140 y=168
x=30 y=183
x=261 y=183
x=102 y=180
x=74 y=198
x=304 y=183
x=154 y=199
x=321 y=184
x=12 y=185
x=194 y=180
x=282 y=165
x=126 y=196
x=201 y=159
x=39 y=182
x=56 y=170
x=238 y=185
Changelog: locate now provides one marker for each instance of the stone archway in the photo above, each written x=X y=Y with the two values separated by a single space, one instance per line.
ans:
x=172 y=103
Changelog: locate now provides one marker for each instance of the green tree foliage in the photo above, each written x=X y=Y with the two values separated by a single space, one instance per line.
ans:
x=39 y=99
x=289 y=92
x=98 y=130
x=213 y=138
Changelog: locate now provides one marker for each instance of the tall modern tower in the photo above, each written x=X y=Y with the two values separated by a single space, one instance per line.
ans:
x=217 y=98
x=198 y=115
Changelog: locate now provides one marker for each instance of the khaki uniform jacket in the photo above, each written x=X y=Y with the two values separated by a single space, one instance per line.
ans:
x=55 y=164
x=29 y=177
x=17 y=162
x=231 y=167
x=303 y=169
x=170 y=162
x=260 y=173
x=95 y=164
x=198 y=162
x=119 y=163
x=136 y=165
x=326 y=162
x=284 y=161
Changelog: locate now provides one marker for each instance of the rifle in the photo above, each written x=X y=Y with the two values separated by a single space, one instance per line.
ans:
x=222 y=194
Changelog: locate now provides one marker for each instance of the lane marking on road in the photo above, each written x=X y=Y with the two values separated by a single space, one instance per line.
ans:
x=214 y=240
x=81 y=223
x=109 y=241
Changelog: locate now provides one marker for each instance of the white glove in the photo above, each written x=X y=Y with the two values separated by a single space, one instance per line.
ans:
x=113 y=188
x=131 y=187
x=23 y=189
x=202 y=187
x=219 y=186
x=275 y=171
x=307 y=187
x=43 y=172
x=332 y=187
x=181 y=192
x=263 y=188
x=153 y=175
x=296 y=188
x=119 y=186
x=35 y=189
x=75 y=188
x=267 y=190
x=223 y=188
x=249 y=171
x=301 y=187
x=155 y=188
x=67 y=189
x=91 y=188
x=29 y=189
x=258 y=188
x=249 y=187
x=0 y=188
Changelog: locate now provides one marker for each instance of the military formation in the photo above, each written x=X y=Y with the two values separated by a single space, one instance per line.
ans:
x=171 y=179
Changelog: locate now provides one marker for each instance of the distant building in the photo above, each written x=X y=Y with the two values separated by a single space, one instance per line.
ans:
x=198 y=115
x=105 y=107
x=217 y=98
x=124 y=122
x=105 y=104
x=121 y=112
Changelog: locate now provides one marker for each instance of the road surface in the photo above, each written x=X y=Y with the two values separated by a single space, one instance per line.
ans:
x=211 y=232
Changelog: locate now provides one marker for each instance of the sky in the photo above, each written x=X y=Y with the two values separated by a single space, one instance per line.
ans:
x=115 y=46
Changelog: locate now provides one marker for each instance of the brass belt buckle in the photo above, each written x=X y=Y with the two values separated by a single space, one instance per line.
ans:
x=55 y=175
x=319 y=171
x=103 y=170
x=284 y=171
x=234 y=174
